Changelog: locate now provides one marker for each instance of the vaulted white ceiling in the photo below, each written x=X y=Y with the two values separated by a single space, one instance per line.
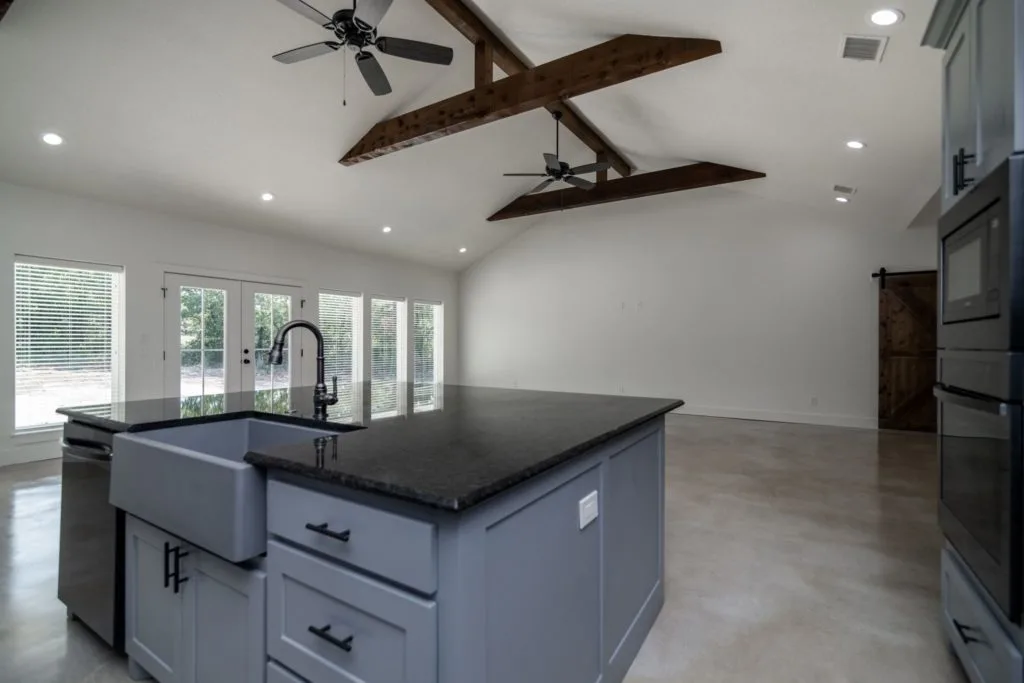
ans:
x=177 y=107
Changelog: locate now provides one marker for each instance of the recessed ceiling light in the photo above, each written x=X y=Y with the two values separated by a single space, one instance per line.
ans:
x=386 y=228
x=842 y=200
x=53 y=139
x=267 y=197
x=855 y=144
x=886 y=17
x=462 y=250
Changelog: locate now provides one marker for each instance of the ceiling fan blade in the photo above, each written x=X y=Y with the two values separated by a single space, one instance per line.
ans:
x=416 y=50
x=306 y=52
x=592 y=168
x=307 y=11
x=581 y=183
x=373 y=73
x=370 y=12
x=553 y=164
x=542 y=186
x=526 y=175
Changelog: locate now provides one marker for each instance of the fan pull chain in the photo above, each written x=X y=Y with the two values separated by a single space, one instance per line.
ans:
x=344 y=81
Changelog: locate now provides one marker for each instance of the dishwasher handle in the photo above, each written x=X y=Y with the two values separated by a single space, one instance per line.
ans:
x=82 y=451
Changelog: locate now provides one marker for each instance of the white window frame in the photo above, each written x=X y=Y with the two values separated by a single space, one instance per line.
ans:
x=117 y=361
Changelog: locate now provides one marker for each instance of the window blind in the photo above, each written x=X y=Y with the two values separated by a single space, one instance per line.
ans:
x=340 y=315
x=67 y=321
x=427 y=354
x=385 y=337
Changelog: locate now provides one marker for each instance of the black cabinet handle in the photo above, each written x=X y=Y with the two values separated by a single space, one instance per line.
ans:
x=964 y=631
x=324 y=634
x=167 y=564
x=322 y=529
x=177 y=569
x=960 y=179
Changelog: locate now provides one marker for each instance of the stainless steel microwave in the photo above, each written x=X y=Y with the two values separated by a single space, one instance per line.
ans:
x=981 y=252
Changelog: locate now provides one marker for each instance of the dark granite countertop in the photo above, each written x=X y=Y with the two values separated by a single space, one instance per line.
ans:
x=458 y=446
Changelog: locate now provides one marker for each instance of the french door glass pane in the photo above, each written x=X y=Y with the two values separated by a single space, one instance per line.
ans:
x=271 y=311
x=384 y=334
x=202 y=341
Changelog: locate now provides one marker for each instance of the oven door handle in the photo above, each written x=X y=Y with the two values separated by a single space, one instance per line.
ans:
x=970 y=402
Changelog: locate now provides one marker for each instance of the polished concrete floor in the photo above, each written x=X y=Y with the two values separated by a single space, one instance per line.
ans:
x=794 y=553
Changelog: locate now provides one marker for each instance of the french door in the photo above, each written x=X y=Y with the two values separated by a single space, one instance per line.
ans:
x=218 y=335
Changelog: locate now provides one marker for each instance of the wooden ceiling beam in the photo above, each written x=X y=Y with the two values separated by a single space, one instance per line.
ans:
x=466 y=22
x=693 y=176
x=620 y=59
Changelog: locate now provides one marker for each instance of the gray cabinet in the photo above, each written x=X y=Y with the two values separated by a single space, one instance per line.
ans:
x=983 y=88
x=225 y=623
x=154 y=623
x=987 y=651
x=191 y=617
x=330 y=624
x=994 y=81
x=960 y=123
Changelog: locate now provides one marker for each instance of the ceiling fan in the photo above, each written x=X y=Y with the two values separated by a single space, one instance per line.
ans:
x=356 y=29
x=556 y=169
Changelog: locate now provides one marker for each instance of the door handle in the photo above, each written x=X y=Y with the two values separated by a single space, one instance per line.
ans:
x=964 y=632
x=177 y=569
x=956 y=174
x=167 y=564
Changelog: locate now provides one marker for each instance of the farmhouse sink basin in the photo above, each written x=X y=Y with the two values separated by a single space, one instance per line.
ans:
x=192 y=482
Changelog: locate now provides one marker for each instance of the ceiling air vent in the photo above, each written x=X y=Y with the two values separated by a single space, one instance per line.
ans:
x=863 y=48
x=843 y=189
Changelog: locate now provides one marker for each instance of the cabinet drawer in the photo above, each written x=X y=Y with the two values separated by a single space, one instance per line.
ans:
x=369 y=631
x=278 y=674
x=985 y=650
x=397 y=548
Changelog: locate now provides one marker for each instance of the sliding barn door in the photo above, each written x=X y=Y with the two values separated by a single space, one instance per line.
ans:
x=907 y=306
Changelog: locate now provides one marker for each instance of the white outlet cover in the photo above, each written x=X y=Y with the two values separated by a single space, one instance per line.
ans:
x=588 y=509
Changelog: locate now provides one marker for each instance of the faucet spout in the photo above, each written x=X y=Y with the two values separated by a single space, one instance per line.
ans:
x=321 y=397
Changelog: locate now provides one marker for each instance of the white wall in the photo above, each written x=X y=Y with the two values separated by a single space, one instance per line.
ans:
x=740 y=305
x=44 y=224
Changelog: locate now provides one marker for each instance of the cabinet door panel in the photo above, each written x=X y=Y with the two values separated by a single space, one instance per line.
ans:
x=153 y=627
x=994 y=73
x=225 y=622
x=959 y=108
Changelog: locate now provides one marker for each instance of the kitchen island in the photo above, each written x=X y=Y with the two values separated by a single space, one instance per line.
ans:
x=483 y=535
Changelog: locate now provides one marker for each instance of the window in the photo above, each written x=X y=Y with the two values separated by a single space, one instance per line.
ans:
x=386 y=336
x=67 y=330
x=428 y=354
x=340 y=317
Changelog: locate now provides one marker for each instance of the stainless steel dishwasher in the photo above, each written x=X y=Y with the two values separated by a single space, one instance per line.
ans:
x=90 y=580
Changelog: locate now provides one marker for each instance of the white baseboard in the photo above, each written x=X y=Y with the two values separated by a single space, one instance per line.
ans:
x=32 y=451
x=825 y=419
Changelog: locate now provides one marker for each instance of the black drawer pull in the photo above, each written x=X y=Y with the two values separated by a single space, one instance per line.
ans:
x=345 y=644
x=964 y=631
x=322 y=529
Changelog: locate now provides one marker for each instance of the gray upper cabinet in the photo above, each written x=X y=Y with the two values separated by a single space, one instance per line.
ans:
x=983 y=88
x=994 y=81
x=191 y=617
x=960 y=121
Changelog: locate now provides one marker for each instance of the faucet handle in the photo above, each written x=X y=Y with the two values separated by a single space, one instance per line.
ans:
x=333 y=397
